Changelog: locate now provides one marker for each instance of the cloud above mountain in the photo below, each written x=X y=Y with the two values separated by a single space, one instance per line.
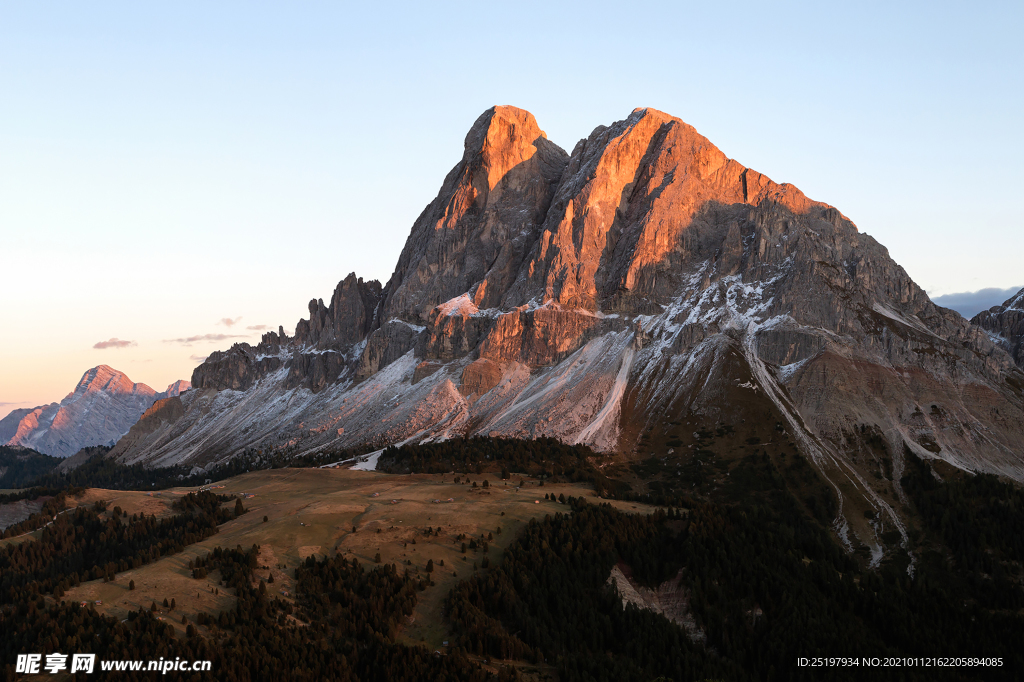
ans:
x=230 y=322
x=189 y=340
x=113 y=343
x=970 y=303
x=258 y=327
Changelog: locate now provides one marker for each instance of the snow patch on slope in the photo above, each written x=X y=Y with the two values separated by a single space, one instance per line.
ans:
x=461 y=306
x=829 y=465
x=913 y=323
x=1017 y=303
x=367 y=462
x=606 y=421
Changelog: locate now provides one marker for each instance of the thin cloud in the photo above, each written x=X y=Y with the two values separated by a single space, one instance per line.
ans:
x=228 y=322
x=189 y=340
x=7 y=409
x=258 y=327
x=198 y=358
x=970 y=303
x=113 y=343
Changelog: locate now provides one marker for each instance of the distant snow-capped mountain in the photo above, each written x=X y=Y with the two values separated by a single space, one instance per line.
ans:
x=103 y=406
x=1006 y=324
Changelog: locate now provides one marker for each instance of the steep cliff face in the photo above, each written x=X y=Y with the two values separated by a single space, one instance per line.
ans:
x=620 y=208
x=485 y=219
x=20 y=423
x=103 y=406
x=643 y=280
x=470 y=242
x=323 y=345
x=1006 y=325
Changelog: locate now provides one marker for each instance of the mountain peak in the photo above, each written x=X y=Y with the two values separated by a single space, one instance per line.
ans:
x=1015 y=302
x=1005 y=324
x=627 y=197
x=502 y=138
x=639 y=290
x=486 y=216
x=177 y=388
x=103 y=406
x=109 y=380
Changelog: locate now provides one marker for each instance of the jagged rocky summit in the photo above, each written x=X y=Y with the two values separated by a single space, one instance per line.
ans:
x=103 y=406
x=1005 y=323
x=595 y=296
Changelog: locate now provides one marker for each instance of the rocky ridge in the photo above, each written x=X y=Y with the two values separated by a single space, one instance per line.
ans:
x=1006 y=325
x=594 y=296
x=103 y=406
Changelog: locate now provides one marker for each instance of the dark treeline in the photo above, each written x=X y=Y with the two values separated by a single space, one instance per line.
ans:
x=355 y=602
x=50 y=509
x=976 y=527
x=766 y=584
x=208 y=504
x=34 y=493
x=764 y=581
x=342 y=630
x=58 y=503
x=542 y=458
x=235 y=566
x=978 y=517
x=22 y=466
x=86 y=545
x=548 y=601
x=31 y=625
x=98 y=471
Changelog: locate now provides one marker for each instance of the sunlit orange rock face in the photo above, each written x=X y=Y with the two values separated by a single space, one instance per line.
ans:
x=475 y=234
x=519 y=224
x=28 y=422
x=103 y=406
x=641 y=279
x=631 y=190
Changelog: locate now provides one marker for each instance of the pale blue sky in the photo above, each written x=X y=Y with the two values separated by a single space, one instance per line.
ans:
x=163 y=167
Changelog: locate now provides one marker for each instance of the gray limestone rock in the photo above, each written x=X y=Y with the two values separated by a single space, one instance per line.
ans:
x=103 y=406
x=592 y=296
x=1006 y=323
